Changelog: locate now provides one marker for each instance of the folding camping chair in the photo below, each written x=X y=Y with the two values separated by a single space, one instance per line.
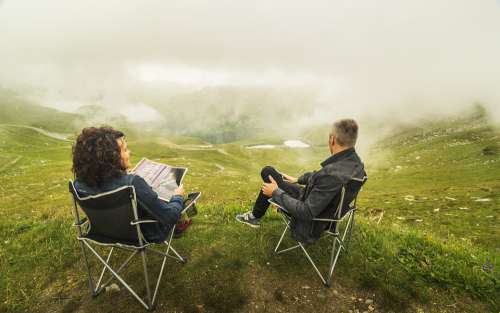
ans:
x=341 y=215
x=112 y=221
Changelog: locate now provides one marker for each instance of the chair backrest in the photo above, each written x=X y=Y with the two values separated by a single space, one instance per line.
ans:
x=345 y=201
x=110 y=214
x=351 y=191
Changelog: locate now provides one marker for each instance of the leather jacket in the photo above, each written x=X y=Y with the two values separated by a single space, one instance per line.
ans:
x=321 y=194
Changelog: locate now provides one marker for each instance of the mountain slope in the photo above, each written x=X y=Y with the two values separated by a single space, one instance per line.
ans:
x=405 y=256
x=16 y=110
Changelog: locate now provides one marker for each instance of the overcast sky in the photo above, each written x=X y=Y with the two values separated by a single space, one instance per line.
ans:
x=363 y=55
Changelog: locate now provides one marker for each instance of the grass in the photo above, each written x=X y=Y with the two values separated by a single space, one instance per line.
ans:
x=415 y=247
x=441 y=177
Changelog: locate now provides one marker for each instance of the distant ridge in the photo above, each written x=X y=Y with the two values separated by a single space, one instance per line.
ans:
x=16 y=110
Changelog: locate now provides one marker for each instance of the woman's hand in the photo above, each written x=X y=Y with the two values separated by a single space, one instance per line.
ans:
x=179 y=191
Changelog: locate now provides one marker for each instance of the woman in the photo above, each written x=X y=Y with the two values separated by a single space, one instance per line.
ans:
x=100 y=163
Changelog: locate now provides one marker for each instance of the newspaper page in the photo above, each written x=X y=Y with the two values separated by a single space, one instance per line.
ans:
x=163 y=178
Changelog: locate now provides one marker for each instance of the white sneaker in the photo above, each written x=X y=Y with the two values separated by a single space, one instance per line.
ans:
x=247 y=218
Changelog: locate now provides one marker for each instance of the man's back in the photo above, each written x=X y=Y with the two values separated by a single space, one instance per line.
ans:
x=321 y=195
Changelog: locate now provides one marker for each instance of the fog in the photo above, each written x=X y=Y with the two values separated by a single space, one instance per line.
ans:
x=369 y=59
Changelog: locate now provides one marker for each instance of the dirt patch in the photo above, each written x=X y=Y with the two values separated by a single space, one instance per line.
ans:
x=491 y=150
x=268 y=292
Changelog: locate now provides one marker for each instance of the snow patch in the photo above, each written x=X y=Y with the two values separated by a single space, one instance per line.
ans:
x=296 y=144
x=262 y=147
x=483 y=200
x=141 y=113
x=409 y=198
x=293 y=143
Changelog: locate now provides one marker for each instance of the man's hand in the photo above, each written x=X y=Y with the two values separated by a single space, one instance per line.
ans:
x=289 y=178
x=268 y=188
x=179 y=191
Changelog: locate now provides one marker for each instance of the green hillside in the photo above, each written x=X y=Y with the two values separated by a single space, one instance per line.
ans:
x=16 y=110
x=442 y=178
x=424 y=230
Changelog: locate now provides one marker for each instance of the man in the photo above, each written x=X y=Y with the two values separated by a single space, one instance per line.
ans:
x=321 y=191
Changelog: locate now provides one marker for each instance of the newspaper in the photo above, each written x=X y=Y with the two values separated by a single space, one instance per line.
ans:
x=163 y=178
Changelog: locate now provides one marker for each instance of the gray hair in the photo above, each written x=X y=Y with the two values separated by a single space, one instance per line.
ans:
x=346 y=132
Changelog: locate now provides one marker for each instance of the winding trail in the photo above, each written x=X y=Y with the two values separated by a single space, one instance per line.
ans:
x=10 y=164
x=54 y=135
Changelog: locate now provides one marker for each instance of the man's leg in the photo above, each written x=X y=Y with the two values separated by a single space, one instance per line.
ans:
x=261 y=204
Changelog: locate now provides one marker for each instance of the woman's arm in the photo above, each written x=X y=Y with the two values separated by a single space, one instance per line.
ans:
x=168 y=213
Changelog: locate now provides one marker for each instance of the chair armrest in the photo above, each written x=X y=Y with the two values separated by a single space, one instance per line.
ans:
x=187 y=208
x=279 y=207
x=82 y=222
x=324 y=220
x=333 y=219
x=142 y=222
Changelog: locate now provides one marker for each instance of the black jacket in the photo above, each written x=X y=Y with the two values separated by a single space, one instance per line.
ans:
x=321 y=194
x=149 y=206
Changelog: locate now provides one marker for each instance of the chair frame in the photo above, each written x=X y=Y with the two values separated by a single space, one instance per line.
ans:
x=147 y=302
x=342 y=239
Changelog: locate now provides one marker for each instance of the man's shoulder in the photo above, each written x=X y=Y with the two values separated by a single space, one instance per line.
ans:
x=345 y=168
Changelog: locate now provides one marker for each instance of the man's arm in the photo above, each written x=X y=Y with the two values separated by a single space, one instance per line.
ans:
x=304 y=178
x=323 y=191
x=167 y=213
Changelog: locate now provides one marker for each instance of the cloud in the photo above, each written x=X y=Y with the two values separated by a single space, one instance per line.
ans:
x=367 y=57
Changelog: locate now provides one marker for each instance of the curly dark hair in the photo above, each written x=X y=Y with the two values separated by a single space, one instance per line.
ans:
x=97 y=155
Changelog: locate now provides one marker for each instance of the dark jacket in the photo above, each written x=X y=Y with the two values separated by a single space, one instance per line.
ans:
x=321 y=194
x=148 y=204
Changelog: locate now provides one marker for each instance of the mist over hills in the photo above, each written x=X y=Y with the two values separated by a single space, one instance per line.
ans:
x=15 y=109
x=216 y=115
x=268 y=66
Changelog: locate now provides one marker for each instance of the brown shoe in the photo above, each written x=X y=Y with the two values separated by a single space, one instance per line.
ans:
x=181 y=227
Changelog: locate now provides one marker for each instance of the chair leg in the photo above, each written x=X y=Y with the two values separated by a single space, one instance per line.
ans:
x=169 y=247
x=333 y=259
x=98 y=285
x=165 y=255
x=343 y=244
x=159 y=279
x=87 y=266
x=179 y=257
x=118 y=277
x=335 y=252
x=349 y=233
x=117 y=271
x=276 y=249
x=281 y=239
x=313 y=264
x=146 y=277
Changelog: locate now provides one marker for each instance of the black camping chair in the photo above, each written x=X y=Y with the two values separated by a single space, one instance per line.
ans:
x=112 y=220
x=341 y=217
